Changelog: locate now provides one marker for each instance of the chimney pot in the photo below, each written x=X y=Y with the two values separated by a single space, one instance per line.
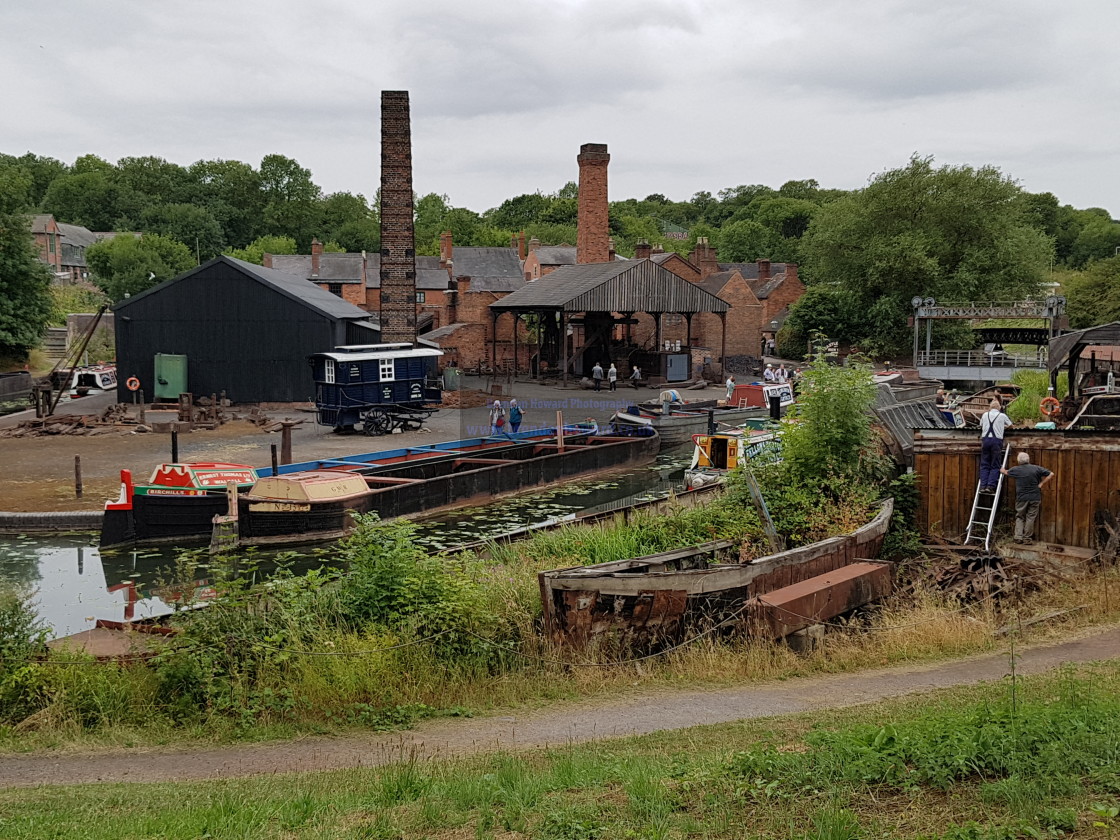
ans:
x=534 y=243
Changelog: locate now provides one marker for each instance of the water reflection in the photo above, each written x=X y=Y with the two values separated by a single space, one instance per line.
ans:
x=74 y=584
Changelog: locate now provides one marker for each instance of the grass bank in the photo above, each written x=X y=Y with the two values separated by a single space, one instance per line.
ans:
x=1033 y=758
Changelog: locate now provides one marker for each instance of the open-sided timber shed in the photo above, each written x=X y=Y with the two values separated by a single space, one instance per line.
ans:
x=244 y=329
x=600 y=296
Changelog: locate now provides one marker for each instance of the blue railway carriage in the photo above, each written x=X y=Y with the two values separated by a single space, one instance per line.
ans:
x=377 y=388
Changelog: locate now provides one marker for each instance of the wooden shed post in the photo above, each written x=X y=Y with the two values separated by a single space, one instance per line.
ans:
x=722 y=341
x=564 y=346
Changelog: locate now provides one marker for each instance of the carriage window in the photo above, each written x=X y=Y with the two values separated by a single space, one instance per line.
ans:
x=386 y=370
x=328 y=371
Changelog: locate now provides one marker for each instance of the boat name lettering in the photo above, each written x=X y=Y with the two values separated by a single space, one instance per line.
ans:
x=161 y=491
x=279 y=507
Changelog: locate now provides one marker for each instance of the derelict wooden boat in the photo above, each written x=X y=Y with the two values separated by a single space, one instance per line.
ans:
x=973 y=407
x=658 y=595
x=714 y=456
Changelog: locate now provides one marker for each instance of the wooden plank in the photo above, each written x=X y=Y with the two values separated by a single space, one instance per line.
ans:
x=921 y=467
x=1082 y=497
x=937 y=493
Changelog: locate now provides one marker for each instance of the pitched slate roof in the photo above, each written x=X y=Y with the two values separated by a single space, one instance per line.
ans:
x=714 y=283
x=77 y=235
x=289 y=285
x=629 y=286
x=347 y=268
x=41 y=222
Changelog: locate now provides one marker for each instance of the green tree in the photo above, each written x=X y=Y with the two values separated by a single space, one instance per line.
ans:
x=831 y=437
x=254 y=252
x=157 y=180
x=951 y=233
x=340 y=209
x=291 y=199
x=232 y=192
x=25 y=303
x=1093 y=296
x=519 y=212
x=127 y=265
x=1098 y=238
x=194 y=226
x=745 y=241
x=92 y=198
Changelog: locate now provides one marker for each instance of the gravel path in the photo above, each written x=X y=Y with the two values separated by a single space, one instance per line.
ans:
x=569 y=723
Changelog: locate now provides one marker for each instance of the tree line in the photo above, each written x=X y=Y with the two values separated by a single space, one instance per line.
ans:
x=948 y=232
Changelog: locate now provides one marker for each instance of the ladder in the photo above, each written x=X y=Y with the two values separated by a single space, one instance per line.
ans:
x=985 y=506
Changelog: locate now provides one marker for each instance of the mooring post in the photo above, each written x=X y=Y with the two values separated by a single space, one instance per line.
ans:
x=775 y=407
x=275 y=462
x=286 y=441
x=560 y=430
x=77 y=476
x=174 y=446
x=711 y=422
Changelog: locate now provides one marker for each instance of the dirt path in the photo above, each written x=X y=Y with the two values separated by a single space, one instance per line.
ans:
x=569 y=723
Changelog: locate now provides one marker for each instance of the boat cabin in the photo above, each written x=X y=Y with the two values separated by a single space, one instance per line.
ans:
x=87 y=380
x=351 y=379
x=196 y=479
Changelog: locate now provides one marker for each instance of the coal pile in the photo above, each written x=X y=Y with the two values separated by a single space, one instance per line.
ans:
x=743 y=365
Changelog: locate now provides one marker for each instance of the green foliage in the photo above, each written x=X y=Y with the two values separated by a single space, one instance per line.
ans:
x=952 y=233
x=1035 y=386
x=829 y=432
x=1094 y=294
x=125 y=265
x=25 y=304
x=746 y=241
x=254 y=252
x=76 y=297
x=194 y=226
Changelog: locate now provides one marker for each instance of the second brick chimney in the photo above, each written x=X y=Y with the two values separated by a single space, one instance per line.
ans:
x=704 y=257
x=763 y=271
x=316 y=253
x=445 y=249
x=642 y=250
x=593 y=217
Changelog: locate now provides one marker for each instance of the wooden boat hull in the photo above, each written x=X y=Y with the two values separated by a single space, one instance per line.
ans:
x=658 y=596
x=678 y=428
x=438 y=486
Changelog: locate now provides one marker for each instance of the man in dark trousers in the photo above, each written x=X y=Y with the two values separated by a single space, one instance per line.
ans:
x=1028 y=495
x=993 y=423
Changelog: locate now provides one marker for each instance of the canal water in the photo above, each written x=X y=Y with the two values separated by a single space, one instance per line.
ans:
x=73 y=584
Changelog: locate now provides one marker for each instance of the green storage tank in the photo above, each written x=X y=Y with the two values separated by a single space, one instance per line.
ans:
x=171 y=377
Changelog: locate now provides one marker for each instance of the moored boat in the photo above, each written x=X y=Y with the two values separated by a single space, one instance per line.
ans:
x=312 y=500
x=715 y=455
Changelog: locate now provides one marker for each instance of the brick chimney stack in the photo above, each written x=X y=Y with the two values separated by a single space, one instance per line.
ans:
x=642 y=250
x=534 y=243
x=704 y=256
x=445 y=249
x=398 y=240
x=610 y=249
x=763 y=271
x=521 y=246
x=592 y=221
x=316 y=253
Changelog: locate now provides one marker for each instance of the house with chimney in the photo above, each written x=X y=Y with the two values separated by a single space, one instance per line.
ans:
x=62 y=247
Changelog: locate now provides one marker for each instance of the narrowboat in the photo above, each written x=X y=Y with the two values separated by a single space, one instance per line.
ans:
x=314 y=500
x=715 y=455
x=92 y=379
x=677 y=420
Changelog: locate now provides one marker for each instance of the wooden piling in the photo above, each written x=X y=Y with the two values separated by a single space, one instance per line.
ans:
x=77 y=476
x=560 y=430
x=174 y=446
x=286 y=441
x=275 y=462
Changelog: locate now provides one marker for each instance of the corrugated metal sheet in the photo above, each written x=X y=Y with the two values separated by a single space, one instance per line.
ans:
x=631 y=286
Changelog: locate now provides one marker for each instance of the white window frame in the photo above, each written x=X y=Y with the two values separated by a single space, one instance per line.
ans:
x=386 y=366
x=328 y=371
x=419 y=297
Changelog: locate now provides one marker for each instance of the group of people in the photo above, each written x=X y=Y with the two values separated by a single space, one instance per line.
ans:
x=611 y=375
x=779 y=376
x=500 y=419
x=1029 y=478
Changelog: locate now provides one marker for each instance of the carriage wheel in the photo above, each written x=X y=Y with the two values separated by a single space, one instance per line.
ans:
x=377 y=422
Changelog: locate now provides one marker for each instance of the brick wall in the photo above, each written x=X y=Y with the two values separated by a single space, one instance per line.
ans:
x=593 y=221
x=353 y=293
x=744 y=321
x=788 y=291
x=398 y=245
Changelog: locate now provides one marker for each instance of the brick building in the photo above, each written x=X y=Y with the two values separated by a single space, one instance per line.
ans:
x=48 y=240
x=63 y=247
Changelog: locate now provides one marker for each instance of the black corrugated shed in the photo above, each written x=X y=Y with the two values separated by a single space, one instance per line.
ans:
x=245 y=330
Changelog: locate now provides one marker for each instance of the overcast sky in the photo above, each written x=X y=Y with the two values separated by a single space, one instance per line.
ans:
x=689 y=95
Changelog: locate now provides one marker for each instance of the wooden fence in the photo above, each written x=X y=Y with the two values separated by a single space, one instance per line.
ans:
x=1086 y=467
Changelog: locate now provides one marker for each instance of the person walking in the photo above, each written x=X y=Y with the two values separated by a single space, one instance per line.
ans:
x=730 y=383
x=635 y=375
x=515 y=415
x=1029 y=480
x=497 y=418
x=597 y=376
x=993 y=423
x=612 y=377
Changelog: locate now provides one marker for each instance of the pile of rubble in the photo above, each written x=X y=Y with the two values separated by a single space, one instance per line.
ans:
x=972 y=577
x=743 y=365
x=464 y=399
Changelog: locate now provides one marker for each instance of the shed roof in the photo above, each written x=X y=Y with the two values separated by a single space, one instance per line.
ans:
x=1070 y=345
x=289 y=285
x=395 y=353
x=629 y=286
x=556 y=254
x=77 y=235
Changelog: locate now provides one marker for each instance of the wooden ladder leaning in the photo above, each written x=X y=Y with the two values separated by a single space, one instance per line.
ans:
x=982 y=520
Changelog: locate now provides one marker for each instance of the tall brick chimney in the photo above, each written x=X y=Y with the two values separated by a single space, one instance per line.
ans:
x=398 y=240
x=445 y=248
x=763 y=271
x=521 y=246
x=593 y=221
x=704 y=257
x=642 y=250
x=316 y=253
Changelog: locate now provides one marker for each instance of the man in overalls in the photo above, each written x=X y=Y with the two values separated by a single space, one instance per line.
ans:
x=993 y=423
